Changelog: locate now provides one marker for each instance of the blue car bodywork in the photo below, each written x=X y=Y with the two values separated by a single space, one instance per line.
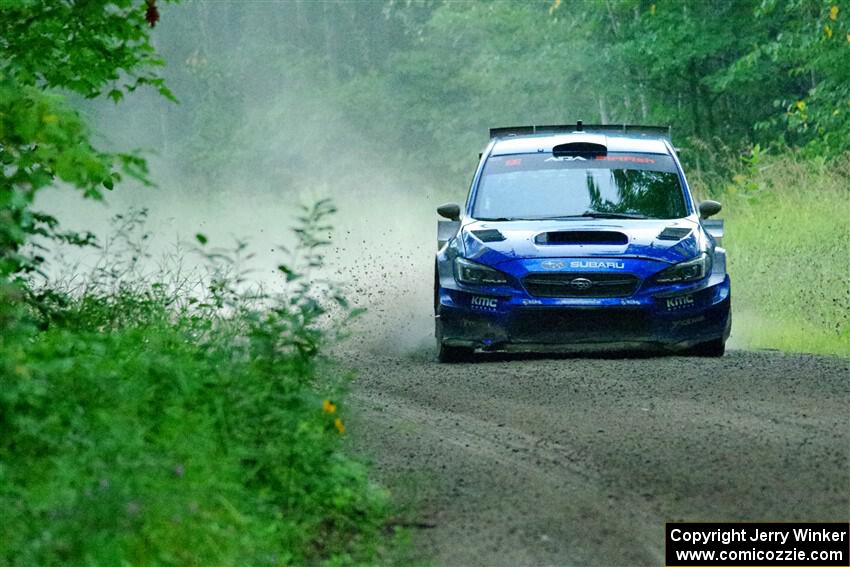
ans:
x=581 y=282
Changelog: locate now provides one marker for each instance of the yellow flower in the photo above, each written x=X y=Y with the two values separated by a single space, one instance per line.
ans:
x=328 y=406
x=801 y=105
x=555 y=5
x=828 y=31
x=848 y=37
x=340 y=426
x=833 y=13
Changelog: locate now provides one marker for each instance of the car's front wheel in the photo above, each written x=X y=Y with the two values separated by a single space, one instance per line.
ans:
x=447 y=353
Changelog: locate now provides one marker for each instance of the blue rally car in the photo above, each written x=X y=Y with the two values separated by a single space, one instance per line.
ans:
x=581 y=237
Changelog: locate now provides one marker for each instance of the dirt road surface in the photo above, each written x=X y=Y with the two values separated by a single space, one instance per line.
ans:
x=581 y=461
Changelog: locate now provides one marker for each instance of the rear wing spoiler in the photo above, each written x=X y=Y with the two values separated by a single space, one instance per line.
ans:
x=626 y=129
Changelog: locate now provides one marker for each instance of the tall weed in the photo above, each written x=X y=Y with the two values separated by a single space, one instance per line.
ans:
x=173 y=417
x=788 y=240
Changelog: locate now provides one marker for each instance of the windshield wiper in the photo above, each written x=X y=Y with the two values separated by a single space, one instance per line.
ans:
x=597 y=215
x=605 y=215
x=584 y=215
x=505 y=219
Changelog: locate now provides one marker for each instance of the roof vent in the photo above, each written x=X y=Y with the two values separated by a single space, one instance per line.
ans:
x=584 y=148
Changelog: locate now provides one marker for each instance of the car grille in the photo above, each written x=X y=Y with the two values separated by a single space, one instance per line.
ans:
x=571 y=284
x=555 y=325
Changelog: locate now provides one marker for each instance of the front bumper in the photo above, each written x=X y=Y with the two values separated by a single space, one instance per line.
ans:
x=673 y=320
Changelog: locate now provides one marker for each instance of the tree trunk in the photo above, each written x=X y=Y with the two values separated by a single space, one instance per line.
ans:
x=603 y=112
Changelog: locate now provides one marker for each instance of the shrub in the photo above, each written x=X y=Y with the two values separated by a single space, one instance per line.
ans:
x=148 y=421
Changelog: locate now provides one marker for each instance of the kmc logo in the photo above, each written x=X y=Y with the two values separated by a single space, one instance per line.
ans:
x=679 y=302
x=484 y=302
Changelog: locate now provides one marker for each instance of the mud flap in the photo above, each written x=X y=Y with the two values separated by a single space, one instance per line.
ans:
x=714 y=228
x=446 y=231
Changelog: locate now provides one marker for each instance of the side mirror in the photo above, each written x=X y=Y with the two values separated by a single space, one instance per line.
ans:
x=709 y=208
x=449 y=211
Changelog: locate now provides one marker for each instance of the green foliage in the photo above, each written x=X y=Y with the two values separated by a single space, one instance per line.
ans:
x=436 y=75
x=163 y=420
x=43 y=140
x=727 y=74
x=156 y=419
x=463 y=76
x=817 y=49
x=677 y=55
x=78 y=47
x=422 y=81
x=786 y=234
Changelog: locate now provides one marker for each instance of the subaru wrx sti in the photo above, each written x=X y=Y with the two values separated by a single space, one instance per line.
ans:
x=580 y=237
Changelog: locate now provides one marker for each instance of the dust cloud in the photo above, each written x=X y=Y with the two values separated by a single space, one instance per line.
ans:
x=263 y=125
x=383 y=240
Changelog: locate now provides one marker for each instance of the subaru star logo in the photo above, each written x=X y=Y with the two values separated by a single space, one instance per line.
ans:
x=581 y=283
x=552 y=265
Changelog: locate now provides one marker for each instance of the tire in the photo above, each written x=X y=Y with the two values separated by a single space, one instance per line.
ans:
x=452 y=354
x=710 y=349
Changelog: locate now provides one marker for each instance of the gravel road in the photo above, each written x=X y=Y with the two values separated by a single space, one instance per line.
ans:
x=580 y=461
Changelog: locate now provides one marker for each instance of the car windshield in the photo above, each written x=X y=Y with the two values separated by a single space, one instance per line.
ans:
x=544 y=186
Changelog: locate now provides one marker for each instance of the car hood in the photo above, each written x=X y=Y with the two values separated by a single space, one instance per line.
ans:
x=494 y=242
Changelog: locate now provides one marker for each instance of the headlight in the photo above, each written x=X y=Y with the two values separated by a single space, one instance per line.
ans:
x=467 y=272
x=689 y=271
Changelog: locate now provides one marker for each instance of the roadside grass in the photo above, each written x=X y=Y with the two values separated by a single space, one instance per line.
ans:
x=788 y=241
x=149 y=420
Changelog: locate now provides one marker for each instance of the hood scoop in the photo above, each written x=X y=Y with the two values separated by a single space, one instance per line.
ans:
x=489 y=235
x=673 y=233
x=562 y=237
